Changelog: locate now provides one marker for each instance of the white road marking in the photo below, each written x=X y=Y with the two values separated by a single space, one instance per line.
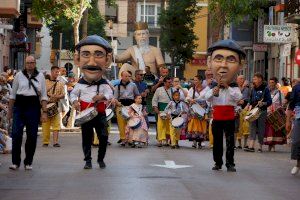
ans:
x=170 y=164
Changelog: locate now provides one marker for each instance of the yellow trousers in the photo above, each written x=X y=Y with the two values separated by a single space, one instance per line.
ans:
x=174 y=135
x=163 y=128
x=52 y=122
x=210 y=135
x=121 y=123
x=244 y=125
x=96 y=140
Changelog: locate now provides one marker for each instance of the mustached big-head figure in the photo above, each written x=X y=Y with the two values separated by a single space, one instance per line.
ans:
x=226 y=59
x=94 y=56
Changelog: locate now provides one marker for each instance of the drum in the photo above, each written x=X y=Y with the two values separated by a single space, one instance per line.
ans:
x=125 y=112
x=86 y=115
x=134 y=122
x=52 y=109
x=198 y=110
x=277 y=119
x=177 y=122
x=253 y=115
x=109 y=114
x=163 y=115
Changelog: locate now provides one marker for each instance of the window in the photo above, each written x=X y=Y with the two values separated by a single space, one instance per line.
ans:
x=149 y=13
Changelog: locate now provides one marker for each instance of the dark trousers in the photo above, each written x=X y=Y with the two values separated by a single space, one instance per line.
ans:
x=100 y=125
x=218 y=128
x=28 y=117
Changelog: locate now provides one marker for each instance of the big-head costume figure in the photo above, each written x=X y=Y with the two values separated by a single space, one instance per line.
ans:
x=142 y=54
x=92 y=90
x=225 y=59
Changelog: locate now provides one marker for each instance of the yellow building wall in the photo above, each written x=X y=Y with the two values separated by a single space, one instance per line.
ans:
x=200 y=30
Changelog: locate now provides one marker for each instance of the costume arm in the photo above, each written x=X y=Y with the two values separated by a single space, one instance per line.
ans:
x=125 y=56
x=75 y=93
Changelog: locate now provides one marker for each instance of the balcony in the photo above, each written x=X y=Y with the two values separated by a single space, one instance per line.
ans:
x=9 y=8
x=292 y=11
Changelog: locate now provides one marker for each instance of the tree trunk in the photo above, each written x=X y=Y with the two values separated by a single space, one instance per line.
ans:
x=85 y=23
x=76 y=31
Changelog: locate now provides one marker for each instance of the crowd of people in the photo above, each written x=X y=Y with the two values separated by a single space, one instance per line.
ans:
x=194 y=111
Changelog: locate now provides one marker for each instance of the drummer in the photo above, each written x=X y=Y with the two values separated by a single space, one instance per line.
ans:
x=197 y=126
x=124 y=94
x=260 y=96
x=161 y=98
x=225 y=59
x=56 y=92
x=175 y=108
x=94 y=54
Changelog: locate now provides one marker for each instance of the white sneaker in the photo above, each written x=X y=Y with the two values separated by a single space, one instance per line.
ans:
x=28 y=167
x=295 y=170
x=14 y=167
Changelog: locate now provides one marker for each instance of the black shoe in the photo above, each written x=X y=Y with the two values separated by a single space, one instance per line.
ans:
x=173 y=147
x=159 y=145
x=102 y=164
x=231 y=169
x=56 y=145
x=123 y=144
x=216 y=167
x=88 y=165
x=108 y=143
x=249 y=149
x=119 y=141
x=239 y=147
x=45 y=145
x=177 y=146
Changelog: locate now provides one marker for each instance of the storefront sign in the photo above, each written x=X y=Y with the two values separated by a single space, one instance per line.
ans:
x=260 y=47
x=285 y=50
x=199 y=61
x=278 y=34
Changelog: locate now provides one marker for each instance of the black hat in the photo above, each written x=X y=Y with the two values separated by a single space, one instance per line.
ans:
x=94 y=40
x=227 y=44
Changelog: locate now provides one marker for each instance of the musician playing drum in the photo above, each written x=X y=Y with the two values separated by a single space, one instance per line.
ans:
x=137 y=134
x=175 y=109
x=124 y=94
x=56 y=92
x=197 y=124
x=225 y=59
x=94 y=54
x=259 y=96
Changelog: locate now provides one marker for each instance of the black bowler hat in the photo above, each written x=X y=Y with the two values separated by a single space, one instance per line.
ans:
x=94 y=40
x=227 y=44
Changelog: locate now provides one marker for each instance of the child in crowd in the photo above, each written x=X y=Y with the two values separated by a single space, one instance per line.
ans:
x=137 y=135
x=5 y=142
x=176 y=108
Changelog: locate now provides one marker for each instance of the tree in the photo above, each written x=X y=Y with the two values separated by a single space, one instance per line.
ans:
x=224 y=12
x=177 y=35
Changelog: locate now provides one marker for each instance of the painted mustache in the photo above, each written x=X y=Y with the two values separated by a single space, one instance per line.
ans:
x=92 y=68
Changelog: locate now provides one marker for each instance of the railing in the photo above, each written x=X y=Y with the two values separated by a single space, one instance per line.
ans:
x=292 y=7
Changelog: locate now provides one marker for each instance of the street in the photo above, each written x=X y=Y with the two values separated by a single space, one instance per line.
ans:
x=132 y=174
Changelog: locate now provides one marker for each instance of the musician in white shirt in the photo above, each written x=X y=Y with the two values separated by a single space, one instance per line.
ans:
x=94 y=54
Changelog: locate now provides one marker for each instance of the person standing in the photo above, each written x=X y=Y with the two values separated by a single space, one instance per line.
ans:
x=225 y=59
x=28 y=94
x=124 y=94
x=55 y=90
x=92 y=90
x=141 y=85
x=161 y=98
x=259 y=96
x=295 y=133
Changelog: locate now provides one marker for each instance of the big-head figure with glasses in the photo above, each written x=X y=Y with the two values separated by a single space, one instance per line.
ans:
x=92 y=91
x=225 y=59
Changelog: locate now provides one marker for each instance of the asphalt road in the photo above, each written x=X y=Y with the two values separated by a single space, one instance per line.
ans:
x=131 y=174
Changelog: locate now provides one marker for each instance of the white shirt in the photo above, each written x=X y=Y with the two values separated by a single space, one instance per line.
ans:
x=21 y=86
x=162 y=96
x=229 y=96
x=86 y=92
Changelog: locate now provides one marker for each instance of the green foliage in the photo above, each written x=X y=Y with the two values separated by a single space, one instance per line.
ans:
x=235 y=11
x=63 y=25
x=177 y=35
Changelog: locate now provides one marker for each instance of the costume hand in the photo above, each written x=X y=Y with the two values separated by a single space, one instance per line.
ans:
x=216 y=91
x=224 y=83
x=241 y=102
x=98 y=97
x=260 y=104
x=193 y=101
x=76 y=105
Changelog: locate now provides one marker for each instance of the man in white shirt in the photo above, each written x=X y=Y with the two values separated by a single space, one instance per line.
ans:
x=92 y=90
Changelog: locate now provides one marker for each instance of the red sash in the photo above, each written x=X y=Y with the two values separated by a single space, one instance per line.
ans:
x=100 y=107
x=223 y=113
